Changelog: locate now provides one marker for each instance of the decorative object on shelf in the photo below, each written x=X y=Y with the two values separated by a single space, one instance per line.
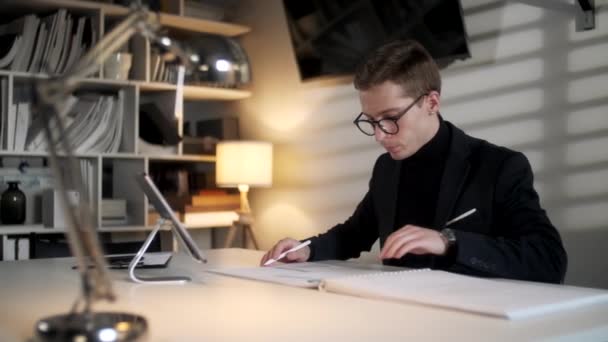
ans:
x=221 y=62
x=156 y=127
x=244 y=164
x=114 y=212
x=12 y=206
x=117 y=66
x=209 y=132
x=53 y=213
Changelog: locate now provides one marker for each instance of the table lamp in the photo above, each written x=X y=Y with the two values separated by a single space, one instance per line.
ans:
x=243 y=164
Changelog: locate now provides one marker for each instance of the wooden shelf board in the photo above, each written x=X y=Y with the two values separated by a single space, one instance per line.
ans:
x=191 y=92
x=202 y=25
x=197 y=92
x=210 y=93
x=193 y=158
x=27 y=229
x=121 y=156
x=48 y=5
x=166 y=19
x=127 y=229
x=5 y=153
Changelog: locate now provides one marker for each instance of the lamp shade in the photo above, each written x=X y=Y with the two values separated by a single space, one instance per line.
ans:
x=243 y=163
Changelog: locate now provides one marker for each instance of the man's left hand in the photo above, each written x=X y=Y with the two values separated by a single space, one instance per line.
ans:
x=415 y=240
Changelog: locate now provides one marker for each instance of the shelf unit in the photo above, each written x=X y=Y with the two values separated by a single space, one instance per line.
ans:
x=130 y=159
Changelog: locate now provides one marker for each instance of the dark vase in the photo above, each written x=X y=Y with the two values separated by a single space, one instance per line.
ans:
x=12 y=205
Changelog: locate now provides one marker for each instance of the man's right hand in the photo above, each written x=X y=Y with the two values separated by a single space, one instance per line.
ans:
x=300 y=255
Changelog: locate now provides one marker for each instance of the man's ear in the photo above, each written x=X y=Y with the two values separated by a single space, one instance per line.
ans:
x=434 y=102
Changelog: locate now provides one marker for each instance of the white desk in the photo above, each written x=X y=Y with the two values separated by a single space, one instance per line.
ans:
x=217 y=308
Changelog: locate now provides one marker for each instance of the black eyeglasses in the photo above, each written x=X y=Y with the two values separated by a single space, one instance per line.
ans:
x=387 y=125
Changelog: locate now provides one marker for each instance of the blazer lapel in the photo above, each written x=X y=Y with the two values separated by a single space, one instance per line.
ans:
x=454 y=175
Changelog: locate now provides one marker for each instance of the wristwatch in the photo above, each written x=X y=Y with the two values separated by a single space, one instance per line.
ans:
x=448 y=237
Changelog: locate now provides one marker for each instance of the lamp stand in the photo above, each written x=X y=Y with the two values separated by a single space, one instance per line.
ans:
x=244 y=190
x=245 y=221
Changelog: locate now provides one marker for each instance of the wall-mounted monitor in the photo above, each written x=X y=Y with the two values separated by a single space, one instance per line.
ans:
x=331 y=37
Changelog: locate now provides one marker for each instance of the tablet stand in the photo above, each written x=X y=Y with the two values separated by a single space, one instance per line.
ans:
x=140 y=254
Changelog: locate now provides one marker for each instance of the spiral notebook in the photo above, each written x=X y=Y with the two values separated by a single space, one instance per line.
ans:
x=501 y=298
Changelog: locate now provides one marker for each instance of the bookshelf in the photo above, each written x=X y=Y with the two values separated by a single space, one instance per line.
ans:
x=130 y=158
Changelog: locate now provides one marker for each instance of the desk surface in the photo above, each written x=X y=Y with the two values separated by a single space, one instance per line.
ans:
x=218 y=308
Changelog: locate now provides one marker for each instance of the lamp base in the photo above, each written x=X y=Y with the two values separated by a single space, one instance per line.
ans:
x=95 y=326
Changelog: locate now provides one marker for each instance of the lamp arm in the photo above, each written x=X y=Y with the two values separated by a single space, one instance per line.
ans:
x=50 y=100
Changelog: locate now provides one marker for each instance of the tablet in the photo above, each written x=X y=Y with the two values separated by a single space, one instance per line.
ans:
x=165 y=211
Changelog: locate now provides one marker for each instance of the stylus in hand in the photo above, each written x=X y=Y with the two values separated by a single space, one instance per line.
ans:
x=282 y=255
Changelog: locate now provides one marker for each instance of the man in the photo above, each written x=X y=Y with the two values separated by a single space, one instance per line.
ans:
x=433 y=172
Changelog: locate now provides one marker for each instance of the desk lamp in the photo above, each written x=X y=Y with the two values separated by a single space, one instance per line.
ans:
x=50 y=100
x=243 y=164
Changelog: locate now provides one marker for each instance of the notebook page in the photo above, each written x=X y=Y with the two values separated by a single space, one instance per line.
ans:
x=306 y=274
x=500 y=298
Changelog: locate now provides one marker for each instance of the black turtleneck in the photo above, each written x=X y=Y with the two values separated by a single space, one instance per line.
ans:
x=419 y=181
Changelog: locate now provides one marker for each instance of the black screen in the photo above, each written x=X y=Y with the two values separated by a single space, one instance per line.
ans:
x=331 y=37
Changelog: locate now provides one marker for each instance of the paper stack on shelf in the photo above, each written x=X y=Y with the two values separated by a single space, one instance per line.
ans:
x=87 y=173
x=50 y=45
x=113 y=212
x=29 y=28
x=210 y=199
x=93 y=125
x=15 y=247
x=3 y=110
x=161 y=71
x=8 y=248
x=22 y=122
x=212 y=208
x=210 y=219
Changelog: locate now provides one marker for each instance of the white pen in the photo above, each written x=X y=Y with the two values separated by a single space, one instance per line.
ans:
x=282 y=255
x=456 y=219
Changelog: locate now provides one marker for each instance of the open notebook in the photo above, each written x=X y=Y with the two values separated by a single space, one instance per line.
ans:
x=493 y=297
x=304 y=274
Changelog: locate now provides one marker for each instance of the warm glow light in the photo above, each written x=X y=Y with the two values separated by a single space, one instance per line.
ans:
x=244 y=163
x=222 y=65
x=166 y=41
x=194 y=58
x=107 y=334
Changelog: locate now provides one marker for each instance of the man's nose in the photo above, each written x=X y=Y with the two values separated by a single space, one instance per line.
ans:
x=379 y=134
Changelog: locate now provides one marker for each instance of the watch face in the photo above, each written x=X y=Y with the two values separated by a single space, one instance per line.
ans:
x=449 y=236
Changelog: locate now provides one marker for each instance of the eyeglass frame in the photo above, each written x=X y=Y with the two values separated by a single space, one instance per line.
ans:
x=394 y=119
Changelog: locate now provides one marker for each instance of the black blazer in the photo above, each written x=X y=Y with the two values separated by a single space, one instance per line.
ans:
x=510 y=235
